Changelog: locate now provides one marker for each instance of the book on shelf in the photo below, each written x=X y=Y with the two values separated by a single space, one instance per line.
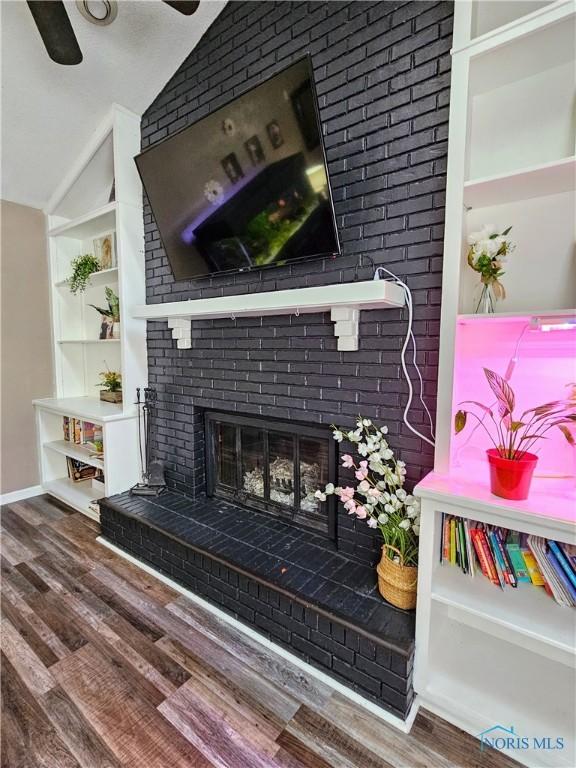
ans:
x=79 y=471
x=92 y=439
x=84 y=433
x=508 y=558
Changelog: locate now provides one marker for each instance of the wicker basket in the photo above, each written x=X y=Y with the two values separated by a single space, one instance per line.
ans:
x=396 y=581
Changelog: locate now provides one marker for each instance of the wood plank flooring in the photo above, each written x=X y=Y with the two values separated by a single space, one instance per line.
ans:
x=104 y=666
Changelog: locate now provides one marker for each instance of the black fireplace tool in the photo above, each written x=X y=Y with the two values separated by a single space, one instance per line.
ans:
x=152 y=471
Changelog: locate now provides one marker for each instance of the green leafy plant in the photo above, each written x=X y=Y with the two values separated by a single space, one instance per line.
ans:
x=513 y=436
x=110 y=380
x=113 y=309
x=82 y=269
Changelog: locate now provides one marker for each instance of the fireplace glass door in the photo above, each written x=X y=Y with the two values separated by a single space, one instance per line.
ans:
x=275 y=468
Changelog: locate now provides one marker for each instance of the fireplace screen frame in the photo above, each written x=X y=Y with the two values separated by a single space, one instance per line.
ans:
x=239 y=496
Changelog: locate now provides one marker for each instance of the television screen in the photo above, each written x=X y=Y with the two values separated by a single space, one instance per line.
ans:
x=245 y=187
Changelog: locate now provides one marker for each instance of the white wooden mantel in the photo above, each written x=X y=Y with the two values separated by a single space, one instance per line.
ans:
x=344 y=302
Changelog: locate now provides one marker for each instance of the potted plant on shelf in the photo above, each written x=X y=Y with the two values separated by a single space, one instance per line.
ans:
x=111 y=386
x=110 y=328
x=511 y=462
x=378 y=497
x=487 y=255
x=82 y=269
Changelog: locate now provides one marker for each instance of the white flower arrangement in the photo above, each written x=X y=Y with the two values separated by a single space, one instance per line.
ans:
x=487 y=254
x=378 y=497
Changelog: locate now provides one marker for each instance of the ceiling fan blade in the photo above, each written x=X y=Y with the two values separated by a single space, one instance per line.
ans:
x=187 y=7
x=56 y=31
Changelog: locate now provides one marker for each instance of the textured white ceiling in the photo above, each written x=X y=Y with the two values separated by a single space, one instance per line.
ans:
x=49 y=111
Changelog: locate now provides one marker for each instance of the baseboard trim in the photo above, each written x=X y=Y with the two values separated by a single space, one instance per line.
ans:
x=402 y=725
x=24 y=493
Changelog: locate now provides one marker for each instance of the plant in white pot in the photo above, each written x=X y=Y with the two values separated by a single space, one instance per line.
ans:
x=378 y=497
x=110 y=328
x=511 y=462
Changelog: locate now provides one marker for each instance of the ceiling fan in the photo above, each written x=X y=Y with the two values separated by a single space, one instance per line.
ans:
x=56 y=31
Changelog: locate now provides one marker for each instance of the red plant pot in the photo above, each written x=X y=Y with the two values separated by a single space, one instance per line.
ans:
x=510 y=478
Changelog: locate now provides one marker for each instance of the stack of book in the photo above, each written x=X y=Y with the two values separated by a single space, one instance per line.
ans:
x=72 y=429
x=508 y=558
x=83 y=433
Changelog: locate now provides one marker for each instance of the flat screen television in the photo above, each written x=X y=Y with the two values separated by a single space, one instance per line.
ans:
x=247 y=186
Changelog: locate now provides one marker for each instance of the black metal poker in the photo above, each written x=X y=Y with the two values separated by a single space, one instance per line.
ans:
x=151 y=471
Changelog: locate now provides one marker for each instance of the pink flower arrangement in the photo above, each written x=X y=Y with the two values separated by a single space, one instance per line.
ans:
x=379 y=497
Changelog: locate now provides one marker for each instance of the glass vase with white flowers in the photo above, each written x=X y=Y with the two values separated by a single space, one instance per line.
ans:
x=487 y=254
x=377 y=496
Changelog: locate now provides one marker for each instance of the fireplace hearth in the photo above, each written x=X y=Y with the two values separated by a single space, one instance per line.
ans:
x=272 y=466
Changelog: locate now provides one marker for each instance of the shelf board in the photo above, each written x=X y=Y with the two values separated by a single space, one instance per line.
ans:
x=342 y=300
x=87 y=408
x=77 y=495
x=514 y=317
x=536 y=181
x=526 y=611
x=90 y=224
x=75 y=451
x=88 y=341
x=517 y=30
x=550 y=510
x=103 y=275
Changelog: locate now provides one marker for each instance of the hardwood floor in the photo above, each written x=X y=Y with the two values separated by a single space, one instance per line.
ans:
x=105 y=666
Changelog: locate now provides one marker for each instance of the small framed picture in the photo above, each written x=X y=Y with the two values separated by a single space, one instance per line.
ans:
x=105 y=251
x=255 y=151
x=275 y=134
x=232 y=168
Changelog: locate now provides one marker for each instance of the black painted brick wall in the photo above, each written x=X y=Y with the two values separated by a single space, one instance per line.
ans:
x=382 y=73
x=372 y=669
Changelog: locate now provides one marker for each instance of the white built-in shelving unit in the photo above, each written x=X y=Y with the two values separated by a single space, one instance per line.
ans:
x=485 y=656
x=101 y=195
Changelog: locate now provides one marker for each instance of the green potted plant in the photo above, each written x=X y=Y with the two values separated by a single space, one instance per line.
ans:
x=83 y=267
x=511 y=462
x=110 y=386
x=378 y=497
x=110 y=316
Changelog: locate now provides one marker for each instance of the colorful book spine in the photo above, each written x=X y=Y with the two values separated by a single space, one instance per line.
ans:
x=564 y=563
x=463 y=551
x=517 y=562
x=484 y=556
x=569 y=551
x=469 y=548
x=453 y=541
x=446 y=539
x=559 y=570
x=533 y=570
x=503 y=559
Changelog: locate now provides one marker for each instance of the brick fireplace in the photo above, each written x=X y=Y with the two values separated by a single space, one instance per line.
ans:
x=303 y=578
